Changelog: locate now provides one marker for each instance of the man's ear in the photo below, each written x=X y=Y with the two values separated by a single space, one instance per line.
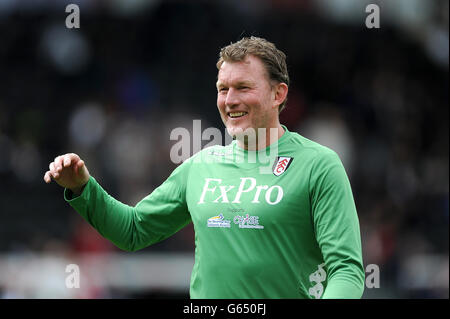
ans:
x=280 y=91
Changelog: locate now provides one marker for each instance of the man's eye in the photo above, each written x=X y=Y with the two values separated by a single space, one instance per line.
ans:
x=223 y=89
x=243 y=87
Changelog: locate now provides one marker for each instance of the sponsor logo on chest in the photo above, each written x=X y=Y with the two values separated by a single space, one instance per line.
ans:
x=248 y=221
x=215 y=192
x=244 y=221
x=218 y=221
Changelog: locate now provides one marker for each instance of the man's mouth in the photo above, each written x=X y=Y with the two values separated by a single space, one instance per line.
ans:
x=234 y=115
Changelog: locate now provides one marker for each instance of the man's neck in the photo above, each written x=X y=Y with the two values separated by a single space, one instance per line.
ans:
x=269 y=136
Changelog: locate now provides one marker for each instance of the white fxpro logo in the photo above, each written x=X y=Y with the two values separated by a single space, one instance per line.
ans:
x=272 y=195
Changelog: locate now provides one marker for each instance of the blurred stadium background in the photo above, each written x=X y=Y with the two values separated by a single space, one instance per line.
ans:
x=113 y=90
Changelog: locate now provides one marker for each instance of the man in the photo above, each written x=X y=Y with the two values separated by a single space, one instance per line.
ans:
x=289 y=233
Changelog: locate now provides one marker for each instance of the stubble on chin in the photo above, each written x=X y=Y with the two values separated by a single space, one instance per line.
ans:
x=247 y=138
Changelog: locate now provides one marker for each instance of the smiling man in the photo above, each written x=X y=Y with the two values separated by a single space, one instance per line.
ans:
x=248 y=98
x=289 y=233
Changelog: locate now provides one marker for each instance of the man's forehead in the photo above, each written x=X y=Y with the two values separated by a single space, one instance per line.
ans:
x=240 y=71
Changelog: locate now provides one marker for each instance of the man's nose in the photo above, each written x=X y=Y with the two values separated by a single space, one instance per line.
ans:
x=232 y=98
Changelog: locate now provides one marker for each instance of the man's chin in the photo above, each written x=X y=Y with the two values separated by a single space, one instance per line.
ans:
x=236 y=131
x=243 y=135
x=231 y=131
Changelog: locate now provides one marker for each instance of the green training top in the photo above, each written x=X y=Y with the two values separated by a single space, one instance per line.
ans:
x=275 y=223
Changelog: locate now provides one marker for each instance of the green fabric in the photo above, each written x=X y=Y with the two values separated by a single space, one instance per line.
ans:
x=257 y=235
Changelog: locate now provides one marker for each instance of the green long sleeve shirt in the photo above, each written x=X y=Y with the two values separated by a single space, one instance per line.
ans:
x=282 y=226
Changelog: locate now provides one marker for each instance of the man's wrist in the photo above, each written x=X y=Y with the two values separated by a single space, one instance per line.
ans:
x=77 y=191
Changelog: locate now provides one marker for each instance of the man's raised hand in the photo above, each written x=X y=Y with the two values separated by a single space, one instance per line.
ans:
x=68 y=171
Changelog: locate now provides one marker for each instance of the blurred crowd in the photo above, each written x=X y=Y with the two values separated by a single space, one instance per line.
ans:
x=113 y=90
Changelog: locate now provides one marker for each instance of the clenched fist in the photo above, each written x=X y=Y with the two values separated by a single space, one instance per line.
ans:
x=68 y=171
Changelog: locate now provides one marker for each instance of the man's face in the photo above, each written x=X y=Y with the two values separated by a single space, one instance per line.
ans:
x=245 y=97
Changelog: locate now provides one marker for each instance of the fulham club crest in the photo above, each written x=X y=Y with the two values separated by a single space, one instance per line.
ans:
x=281 y=165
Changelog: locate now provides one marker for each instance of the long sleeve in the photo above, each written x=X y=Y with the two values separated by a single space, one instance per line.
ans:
x=154 y=218
x=337 y=228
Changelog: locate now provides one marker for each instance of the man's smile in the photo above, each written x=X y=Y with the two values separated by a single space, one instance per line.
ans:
x=235 y=115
